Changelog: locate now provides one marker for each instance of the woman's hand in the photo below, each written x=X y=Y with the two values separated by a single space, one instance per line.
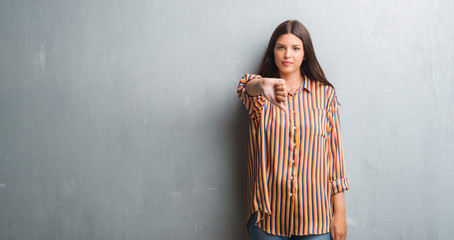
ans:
x=338 y=228
x=274 y=90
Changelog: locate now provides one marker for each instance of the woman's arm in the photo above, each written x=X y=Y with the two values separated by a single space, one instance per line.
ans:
x=339 y=221
x=273 y=89
x=254 y=87
x=337 y=178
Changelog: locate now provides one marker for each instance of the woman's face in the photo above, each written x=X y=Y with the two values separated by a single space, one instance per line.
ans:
x=288 y=54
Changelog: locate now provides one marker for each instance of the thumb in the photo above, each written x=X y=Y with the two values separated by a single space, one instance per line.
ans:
x=282 y=106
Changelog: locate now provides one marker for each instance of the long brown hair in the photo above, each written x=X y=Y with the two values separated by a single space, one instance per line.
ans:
x=310 y=66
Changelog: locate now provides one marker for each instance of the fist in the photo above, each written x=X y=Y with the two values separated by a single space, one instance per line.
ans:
x=280 y=91
x=274 y=90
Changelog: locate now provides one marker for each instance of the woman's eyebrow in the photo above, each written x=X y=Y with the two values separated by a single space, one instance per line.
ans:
x=299 y=45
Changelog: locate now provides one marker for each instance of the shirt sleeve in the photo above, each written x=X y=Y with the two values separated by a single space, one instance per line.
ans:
x=337 y=178
x=253 y=104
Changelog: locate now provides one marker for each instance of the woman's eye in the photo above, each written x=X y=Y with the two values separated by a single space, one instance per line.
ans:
x=296 y=49
x=280 y=47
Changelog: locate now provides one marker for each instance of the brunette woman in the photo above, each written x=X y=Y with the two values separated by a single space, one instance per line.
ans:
x=296 y=179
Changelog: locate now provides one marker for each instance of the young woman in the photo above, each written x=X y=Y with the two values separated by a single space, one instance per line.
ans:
x=296 y=166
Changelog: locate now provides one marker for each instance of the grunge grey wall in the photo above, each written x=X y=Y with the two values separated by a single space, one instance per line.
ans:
x=120 y=119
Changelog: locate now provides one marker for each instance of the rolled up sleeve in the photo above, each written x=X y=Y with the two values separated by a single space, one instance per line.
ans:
x=253 y=104
x=337 y=178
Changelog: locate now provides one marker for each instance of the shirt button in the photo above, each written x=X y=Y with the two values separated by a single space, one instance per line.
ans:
x=291 y=177
x=294 y=144
x=294 y=127
x=290 y=194
x=293 y=161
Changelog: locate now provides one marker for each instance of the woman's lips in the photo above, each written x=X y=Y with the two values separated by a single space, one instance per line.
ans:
x=287 y=63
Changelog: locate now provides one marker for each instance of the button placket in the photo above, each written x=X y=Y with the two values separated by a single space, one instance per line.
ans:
x=292 y=145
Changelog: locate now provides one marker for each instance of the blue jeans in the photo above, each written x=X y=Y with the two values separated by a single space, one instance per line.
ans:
x=259 y=234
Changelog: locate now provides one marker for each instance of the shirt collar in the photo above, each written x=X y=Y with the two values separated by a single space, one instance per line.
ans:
x=306 y=84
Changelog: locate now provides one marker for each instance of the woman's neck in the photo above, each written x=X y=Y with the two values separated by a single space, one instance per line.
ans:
x=293 y=81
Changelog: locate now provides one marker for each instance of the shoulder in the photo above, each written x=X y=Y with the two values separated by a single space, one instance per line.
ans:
x=323 y=91
x=250 y=76
x=321 y=87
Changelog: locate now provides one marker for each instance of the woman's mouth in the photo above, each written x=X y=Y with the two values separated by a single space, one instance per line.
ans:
x=287 y=63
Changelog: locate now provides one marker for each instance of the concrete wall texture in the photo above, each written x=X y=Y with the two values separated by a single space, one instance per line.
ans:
x=120 y=119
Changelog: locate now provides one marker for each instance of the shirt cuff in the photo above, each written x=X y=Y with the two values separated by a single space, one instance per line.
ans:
x=340 y=185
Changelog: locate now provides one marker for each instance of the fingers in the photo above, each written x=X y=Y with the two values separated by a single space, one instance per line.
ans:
x=332 y=230
x=274 y=90
x=280 y=98
x=336 y=234
x=279 y=88
x=280 y=94
x=280 y=85
x=280 y=91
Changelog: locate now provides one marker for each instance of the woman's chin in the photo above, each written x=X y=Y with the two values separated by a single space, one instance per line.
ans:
x=287 y=71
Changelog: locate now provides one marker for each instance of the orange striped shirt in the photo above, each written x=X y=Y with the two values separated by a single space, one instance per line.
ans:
x=296 y=161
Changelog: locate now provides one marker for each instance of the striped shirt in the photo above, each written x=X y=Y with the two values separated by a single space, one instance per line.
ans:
x=296 y=161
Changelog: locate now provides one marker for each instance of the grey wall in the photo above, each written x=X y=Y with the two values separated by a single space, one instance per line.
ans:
x=120 y=120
